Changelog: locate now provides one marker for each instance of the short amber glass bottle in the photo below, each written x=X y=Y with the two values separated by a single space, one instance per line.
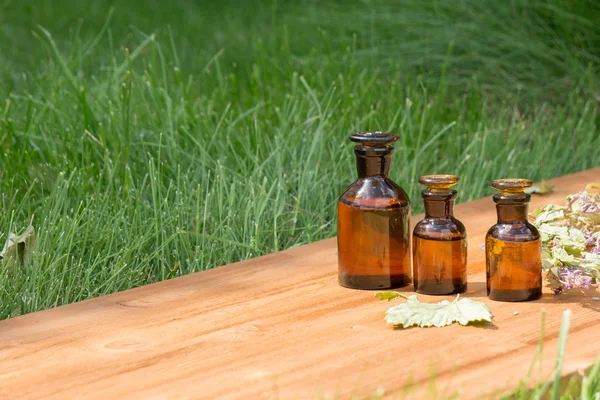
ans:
x=513 y=247
x=439 y=240
x=373 y=220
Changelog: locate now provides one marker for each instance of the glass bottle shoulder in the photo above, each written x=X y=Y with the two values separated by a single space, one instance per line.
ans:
x=375 y=192
x=514 y=232
x=441 y=229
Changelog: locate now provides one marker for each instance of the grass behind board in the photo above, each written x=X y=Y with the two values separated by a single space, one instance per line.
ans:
x=152 y=142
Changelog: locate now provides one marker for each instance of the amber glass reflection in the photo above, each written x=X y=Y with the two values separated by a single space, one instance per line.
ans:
x=373 y=220
x=513 y=246
x=439 y=241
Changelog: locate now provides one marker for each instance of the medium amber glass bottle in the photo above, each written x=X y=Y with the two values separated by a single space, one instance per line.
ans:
x=439 y=240
x=373 y=220
x=513 y=247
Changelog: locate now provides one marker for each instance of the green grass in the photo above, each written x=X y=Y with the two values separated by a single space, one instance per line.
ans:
x=535 y=386
x=584 y=386
x=555 y=386
x=152 y=142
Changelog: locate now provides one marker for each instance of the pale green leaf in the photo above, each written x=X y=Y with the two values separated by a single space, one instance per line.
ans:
x=389 y=296
x=546 y=252
x=590 y=260
x=549 y=262
x=548 y=231
x=576 y=235
x=561 y=255
x=541 y=189
x=415 y=313
x=18 y=248
x=548 y=213
x=571 y=239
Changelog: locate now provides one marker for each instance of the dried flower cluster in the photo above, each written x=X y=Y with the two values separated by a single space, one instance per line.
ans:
x=571 y=240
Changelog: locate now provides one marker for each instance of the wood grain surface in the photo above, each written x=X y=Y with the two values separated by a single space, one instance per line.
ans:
x=279 y=326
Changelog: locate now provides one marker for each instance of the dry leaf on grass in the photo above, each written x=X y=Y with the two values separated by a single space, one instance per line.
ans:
x=18 y=248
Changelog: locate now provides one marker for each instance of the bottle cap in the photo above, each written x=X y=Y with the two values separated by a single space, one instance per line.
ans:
x=512 y=190
x=439 y=183
x=374 y=139
x=512 y=186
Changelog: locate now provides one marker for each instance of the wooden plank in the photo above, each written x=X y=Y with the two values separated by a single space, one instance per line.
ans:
x=280 y=326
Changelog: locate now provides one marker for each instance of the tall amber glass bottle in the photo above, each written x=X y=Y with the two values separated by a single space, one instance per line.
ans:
x=439 y=240
x=513 y=246
x=373 y=220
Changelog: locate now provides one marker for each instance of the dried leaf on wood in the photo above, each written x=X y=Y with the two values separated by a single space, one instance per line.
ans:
x=415 y=313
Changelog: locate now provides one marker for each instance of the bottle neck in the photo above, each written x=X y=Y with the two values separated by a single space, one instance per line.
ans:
x=511 y=213
x=439 y=208
x=370 y=162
